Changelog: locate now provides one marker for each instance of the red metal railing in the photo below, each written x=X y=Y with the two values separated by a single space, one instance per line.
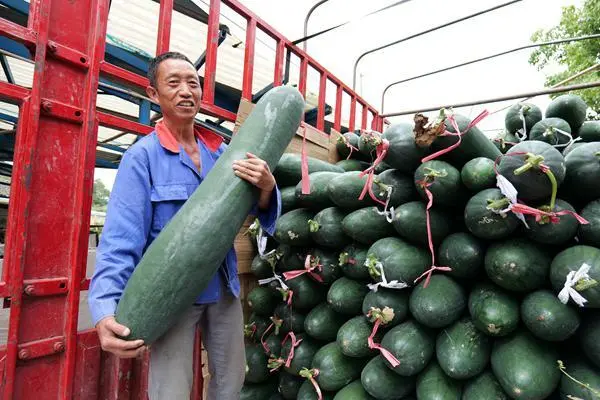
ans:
x=47 y=237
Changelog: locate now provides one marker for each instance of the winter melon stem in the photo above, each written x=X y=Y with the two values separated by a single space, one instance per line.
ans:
x=313 y=226
x=531 y=161
x=563 y=369
x=498 y=204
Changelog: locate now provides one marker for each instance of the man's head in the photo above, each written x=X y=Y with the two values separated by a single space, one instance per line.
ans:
x=175 y=86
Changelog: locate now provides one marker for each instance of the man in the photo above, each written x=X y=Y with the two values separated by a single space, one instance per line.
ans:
x=155 y=178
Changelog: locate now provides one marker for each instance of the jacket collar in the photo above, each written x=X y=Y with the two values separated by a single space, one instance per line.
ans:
x=210 y=139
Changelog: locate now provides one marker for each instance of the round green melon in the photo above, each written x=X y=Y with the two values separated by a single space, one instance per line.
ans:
x=551 y=131
x=547 y=318
x=493 y=311
x=439 y=304
x=571 y=259
x=478 y=174
x=412 y=344
x=462 y=252
x=382 y=383
x=569 y=107
x=513 y=121
x=590 y=233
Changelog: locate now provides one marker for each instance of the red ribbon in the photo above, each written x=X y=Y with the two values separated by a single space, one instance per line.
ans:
x=315 y=384
x=294 y=344
x=382 y=149
x=289 y=299
x=348 y=145
x=308 y=269
x=539 y=214
x=262 y=338
x=384 y=352
x=458 y=134
x=429 y=272
x=305 y=178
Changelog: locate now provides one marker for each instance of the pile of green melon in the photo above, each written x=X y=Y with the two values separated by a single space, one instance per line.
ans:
x=478 y=259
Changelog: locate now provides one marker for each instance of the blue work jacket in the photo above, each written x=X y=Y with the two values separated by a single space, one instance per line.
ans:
x=154 y=179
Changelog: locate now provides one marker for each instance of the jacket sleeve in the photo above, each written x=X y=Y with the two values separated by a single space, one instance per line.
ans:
x=124 y=236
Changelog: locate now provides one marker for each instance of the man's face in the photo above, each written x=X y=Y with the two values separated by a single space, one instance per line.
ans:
x=177 y=90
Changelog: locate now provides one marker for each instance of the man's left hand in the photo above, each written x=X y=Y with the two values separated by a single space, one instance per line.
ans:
x=255 y=171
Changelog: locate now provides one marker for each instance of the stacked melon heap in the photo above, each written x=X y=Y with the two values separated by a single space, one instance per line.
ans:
x=430 y=265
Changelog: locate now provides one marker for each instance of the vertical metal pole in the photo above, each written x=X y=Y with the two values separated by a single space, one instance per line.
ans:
x=365 y=110
x=312 y=9
x=337 y=125
x=321 y=110
x=164 y=26
x=278 y=78
x=352 y=122
x=303 y=76
x=249 y=59
x=212 y=44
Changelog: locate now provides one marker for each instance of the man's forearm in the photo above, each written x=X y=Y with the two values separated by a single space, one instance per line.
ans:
x=265 y=199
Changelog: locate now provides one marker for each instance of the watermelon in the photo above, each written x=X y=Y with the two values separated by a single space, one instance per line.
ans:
x=486 y=218
x=550 y=130
x=401 y=184
x=352 y=165
x=288 y=199
x=463 y=351
x=583 y=172
x=345 y=189
x=341 y=145
x=462 y=252
x=434 y=384
x=517 y=265
x=256 y=326
x=571 y=259
x=367 y=144
x=307 y=392
x=329 y=270
x=289 y=385
x=484 y=386
x=256 y=364
x=547 y=318
x=366 y=226
x=412 y=344
x=403 y=154
x=521 y=166
x=478 y=174
x=253 y=391
x=589 y=131
x=293 y=321
x=590 y=234
x=352 y=337
x=505 y=140
x=588 y=335
x=323 y=322
x=307 y=292
x=410 y=222
x=353 y=391
x=318 y=198
x=444 y=182
x=263 y=300
x=304 y=353
x=569 y=107
x=513 y=120
x=335 y=369
x=288 y=171
x=395 y=299
x=352 y=262
x=439 y=304
x=400 y=261
x=547 y=232
x=525 y=367
x=493 y=311
x=292 y=227
x=346 y=296
x=262 y=267
x=382 y=383
x=586 y=375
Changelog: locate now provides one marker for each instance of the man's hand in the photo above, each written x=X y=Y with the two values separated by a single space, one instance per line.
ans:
x=108 y=329
x=255 y=171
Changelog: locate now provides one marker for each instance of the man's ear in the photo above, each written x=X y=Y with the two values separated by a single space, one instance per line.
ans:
x=152 y=93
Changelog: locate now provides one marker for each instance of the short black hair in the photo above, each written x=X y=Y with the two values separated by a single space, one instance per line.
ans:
x=155 y=62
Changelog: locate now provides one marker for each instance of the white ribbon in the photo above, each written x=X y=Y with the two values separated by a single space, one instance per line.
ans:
x=271 y=279
x=511 y=194
x=395 y=284
x=564 y=133
x=572 y=278
x=389 y=214
x=522 y=133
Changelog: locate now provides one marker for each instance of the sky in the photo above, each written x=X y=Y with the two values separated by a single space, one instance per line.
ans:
x=500 y=30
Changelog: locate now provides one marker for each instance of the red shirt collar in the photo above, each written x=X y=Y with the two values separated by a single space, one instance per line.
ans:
x=210 y=139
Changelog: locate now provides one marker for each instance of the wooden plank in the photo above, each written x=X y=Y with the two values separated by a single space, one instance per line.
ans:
x=333 y=154
x=244 y=248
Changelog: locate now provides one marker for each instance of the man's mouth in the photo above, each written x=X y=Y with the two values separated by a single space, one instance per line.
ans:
x=185 y=104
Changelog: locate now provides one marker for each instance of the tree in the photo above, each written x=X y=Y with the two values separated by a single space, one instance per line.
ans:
x=575 y=56
x=100 y=196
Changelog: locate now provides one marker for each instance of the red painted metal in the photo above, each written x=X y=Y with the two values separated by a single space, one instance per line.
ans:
x=62 y=111
x=41 y=348
x=212 y=44
x=352 y=122
x=17 y=32
x=217 y=111
x=279 y=54
x=198 y=383
x=303 y=76
x=122 y=75
x=68 y=54
x=249 y=59
x=3 y=291
x=337 y=124
x=321 y=109
x=12 y=93
x=365 y=111
x=164 y=26
x=112 y=121
x=45 y=287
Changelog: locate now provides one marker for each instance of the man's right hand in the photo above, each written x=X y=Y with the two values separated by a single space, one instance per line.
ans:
x=109 y=331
